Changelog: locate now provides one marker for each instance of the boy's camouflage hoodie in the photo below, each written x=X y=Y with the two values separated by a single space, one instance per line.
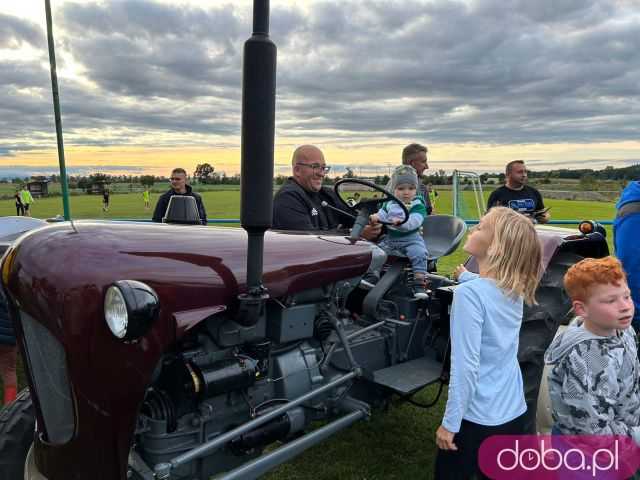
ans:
x=593 y=383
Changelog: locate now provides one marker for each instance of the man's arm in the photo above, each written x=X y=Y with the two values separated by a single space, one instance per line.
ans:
x=161 y=209
x=201 y=210
x=427 y=201
x=289 y=213
x=493 y=199
x=543 y=218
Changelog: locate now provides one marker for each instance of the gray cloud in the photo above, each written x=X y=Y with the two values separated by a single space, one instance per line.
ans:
x=490 y=71
x=15 y=31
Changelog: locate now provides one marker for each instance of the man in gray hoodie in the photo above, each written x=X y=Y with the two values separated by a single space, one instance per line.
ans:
x=594 y=382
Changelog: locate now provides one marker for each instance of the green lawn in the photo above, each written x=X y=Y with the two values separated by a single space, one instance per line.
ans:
x=398 y=444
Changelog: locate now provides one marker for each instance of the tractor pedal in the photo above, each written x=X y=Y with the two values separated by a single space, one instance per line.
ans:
x=409 y=377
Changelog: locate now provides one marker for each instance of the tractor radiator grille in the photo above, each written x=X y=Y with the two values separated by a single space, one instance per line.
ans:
x=48 y=366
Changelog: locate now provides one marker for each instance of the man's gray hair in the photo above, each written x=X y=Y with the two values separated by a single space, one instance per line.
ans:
x=410 y=151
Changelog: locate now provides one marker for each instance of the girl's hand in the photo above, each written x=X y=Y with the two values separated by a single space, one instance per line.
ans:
x=396 y=221
x=459 y=270
x=444 y=439
x=373 y=219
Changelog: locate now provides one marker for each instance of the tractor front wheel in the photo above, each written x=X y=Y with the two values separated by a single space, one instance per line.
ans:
x=17 y=427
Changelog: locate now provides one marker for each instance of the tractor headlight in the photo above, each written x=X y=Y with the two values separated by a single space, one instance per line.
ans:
x=130 y=308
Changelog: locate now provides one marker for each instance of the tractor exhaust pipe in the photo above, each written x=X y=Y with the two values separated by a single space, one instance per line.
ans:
x=258 y=131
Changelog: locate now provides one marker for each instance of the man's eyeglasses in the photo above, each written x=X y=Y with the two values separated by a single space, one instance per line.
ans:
x=317 y=168
x=176 y=179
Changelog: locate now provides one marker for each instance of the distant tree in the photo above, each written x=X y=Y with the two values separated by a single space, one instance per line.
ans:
x=349 y=173
x=204 y=172
x=147 y=180
x=83 y=183
x=98 y=177
x=588 y=182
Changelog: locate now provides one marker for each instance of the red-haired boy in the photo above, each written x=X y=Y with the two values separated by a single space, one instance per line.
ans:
x=594 y=379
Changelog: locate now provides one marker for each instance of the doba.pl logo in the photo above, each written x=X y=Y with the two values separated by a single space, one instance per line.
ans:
x=546 y=457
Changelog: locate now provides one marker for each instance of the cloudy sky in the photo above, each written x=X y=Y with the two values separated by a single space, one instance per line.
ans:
x=147 y=85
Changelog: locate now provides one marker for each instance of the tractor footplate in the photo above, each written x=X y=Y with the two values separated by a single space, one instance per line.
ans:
x=409 y=377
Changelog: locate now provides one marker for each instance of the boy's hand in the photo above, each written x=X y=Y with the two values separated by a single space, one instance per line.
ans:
x=459 y=270
x=374 y=218
x=396 y=221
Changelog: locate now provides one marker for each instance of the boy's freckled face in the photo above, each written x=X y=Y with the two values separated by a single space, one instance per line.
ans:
x=608 y=307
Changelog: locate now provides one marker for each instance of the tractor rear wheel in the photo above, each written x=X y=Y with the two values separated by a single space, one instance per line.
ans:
x=539 y=325
x=17 y=427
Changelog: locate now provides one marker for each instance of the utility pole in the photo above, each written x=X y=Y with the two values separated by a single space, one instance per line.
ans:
x=56 y=112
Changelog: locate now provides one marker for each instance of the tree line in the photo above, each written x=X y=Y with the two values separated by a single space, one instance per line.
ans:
x=205 y=173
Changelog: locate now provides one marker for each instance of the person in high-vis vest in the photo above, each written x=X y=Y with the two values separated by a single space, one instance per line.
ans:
x=27 y=200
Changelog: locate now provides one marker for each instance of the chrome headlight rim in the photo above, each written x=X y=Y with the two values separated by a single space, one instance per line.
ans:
x=142 y=308
x=117 y=321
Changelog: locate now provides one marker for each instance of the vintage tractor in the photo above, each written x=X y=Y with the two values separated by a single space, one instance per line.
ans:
x=163 y=351
x=147 y=364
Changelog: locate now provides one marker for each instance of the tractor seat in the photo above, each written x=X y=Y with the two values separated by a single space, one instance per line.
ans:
x=442 y=234
x=182 y=210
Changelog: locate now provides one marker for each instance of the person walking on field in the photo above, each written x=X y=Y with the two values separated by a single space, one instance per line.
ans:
x=105 y=200
x=19 y=205
x=146 y=197
x=27 y=200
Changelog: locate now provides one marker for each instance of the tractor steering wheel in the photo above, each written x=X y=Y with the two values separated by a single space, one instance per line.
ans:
x=365 y=198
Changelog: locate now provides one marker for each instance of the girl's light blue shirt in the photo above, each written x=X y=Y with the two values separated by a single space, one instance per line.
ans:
x=486 y=384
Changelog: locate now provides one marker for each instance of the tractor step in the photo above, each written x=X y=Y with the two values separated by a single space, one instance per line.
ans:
x=409 y=377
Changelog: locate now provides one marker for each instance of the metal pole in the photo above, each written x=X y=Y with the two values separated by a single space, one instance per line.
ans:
x=258 y=134
x=56 y=112
x=454 y=182
x=263 y=464
x=163 y=470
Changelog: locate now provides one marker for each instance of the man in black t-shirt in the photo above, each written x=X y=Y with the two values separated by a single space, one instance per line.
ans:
x=298 y=203
x=517 y=195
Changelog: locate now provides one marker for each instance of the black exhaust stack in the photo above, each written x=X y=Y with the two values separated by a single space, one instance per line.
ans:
x=258 y=131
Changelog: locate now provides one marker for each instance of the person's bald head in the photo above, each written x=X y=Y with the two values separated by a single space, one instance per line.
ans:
x=306 y=154
x=308 y=167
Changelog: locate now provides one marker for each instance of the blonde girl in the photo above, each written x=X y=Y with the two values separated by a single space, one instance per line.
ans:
x=486 y=395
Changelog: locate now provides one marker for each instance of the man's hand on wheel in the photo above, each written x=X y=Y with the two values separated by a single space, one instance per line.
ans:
x=371 y=232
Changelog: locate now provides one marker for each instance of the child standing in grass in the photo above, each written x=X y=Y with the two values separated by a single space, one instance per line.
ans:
x=146 y=198
x=486 y=394
x=594 y=382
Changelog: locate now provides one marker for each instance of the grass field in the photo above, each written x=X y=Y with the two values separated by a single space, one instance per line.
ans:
x=398 y=444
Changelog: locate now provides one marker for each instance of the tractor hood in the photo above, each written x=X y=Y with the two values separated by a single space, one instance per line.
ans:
x=63 y=271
